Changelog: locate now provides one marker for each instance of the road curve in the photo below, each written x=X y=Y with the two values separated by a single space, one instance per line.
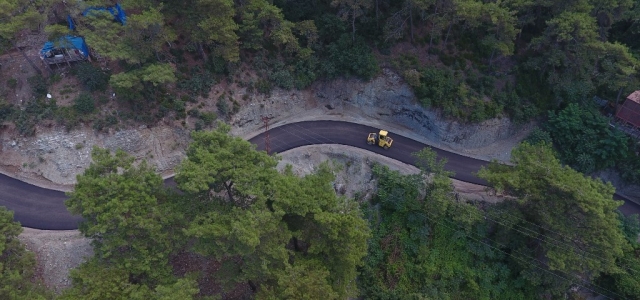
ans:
x=41 y=208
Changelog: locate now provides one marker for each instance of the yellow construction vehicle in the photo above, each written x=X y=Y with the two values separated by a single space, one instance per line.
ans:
x=381 y=138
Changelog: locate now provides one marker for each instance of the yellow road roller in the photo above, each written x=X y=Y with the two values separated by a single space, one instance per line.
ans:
x=381 y=138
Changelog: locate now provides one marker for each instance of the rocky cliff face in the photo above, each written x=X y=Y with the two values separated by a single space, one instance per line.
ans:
x=386 y=101
x=389 y=98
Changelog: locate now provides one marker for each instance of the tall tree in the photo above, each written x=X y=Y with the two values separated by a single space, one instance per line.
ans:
x=261 y=225
x=137 y=43
x=17 y=16
x=577 y=230
x=350 y=10
x=263 y=23
x=120 y=204
x=584 y=138
x=17 y=265
x=217 y=162
x=427 y=245
x=97 y=280
x=503 y=29
x=209 y=22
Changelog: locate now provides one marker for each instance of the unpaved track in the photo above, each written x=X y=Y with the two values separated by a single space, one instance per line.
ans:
x=41 y=208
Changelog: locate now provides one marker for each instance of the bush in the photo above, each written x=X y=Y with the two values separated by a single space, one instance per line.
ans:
x=68 y=116
x=91 y=77
x=25 y=124
x=629 y=166
x=38 y=86
x=194 y=112
x=107 y=122
x=12 y=83
x=199 y=83
x=264 y=86
x=584 y=139
x=84 y=103
x=199 y=125
x=305 y=72
x=223 y=107
x=437 y=87
x=208 y=117
x=352 y=58
x=6 y=110
x=538 y=136
x=283 y=79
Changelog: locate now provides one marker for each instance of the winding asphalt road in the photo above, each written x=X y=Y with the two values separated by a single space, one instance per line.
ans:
x=41 y=208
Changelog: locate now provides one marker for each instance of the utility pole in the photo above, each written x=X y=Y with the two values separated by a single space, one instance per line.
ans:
x=267 y=143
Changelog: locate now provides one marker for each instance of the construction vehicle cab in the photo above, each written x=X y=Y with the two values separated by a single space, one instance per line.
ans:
x=381 y=138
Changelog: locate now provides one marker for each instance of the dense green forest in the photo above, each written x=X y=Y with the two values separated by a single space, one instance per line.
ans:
x=470 y=59
x=241 y=228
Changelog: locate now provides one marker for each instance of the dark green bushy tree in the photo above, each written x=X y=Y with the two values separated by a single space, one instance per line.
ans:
x=352 y=58
x=584 y=139
x=93 y=78
x=425 y=245
x=84 y=103
x=17 y=265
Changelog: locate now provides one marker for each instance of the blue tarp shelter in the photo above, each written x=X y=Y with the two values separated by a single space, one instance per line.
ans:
x=116 y=11
x=66 y=49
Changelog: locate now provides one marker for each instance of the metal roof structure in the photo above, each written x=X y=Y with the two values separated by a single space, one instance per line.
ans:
x=629 y=111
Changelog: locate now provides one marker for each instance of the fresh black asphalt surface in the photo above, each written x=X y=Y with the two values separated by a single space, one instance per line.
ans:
x=41 y=208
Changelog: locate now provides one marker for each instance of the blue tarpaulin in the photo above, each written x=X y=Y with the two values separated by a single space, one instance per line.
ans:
x=116 y=11
x=72 y=25
x=68 y=42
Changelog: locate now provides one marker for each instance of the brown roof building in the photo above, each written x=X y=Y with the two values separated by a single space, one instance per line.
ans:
x=629 y=111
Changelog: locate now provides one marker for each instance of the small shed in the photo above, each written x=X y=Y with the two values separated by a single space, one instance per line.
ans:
x=629 y=111
x=65 y=50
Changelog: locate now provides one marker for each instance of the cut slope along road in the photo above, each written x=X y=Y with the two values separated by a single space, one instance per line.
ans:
x=41 y=208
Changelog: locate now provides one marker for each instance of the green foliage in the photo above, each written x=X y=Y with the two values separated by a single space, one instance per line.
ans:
x=84 y=103
x=69 y=117
x=629 y=166
x=282 y=79
x=17 y=16
x=95 y=280
x=198 y=83
x=223 y=107
x=352 y=58
x=123 y=215
x=539 y=136
x=158 y=74
x=93 y=78
x=624 y=282
x=38 y=86
x=208 y=117
x=584 y=139
x=108 y=122
x=547 y=194
x=6 y=110
x=56 y=31
x=424 y=245
x=17 y=265
x=12 y=83
x=630 y=226
x=264 y=226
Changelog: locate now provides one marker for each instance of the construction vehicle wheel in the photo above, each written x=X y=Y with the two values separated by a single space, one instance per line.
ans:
x=370 y=142
x=385 y=147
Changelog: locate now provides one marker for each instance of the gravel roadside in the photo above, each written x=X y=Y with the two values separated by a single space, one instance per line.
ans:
x=57 y=252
